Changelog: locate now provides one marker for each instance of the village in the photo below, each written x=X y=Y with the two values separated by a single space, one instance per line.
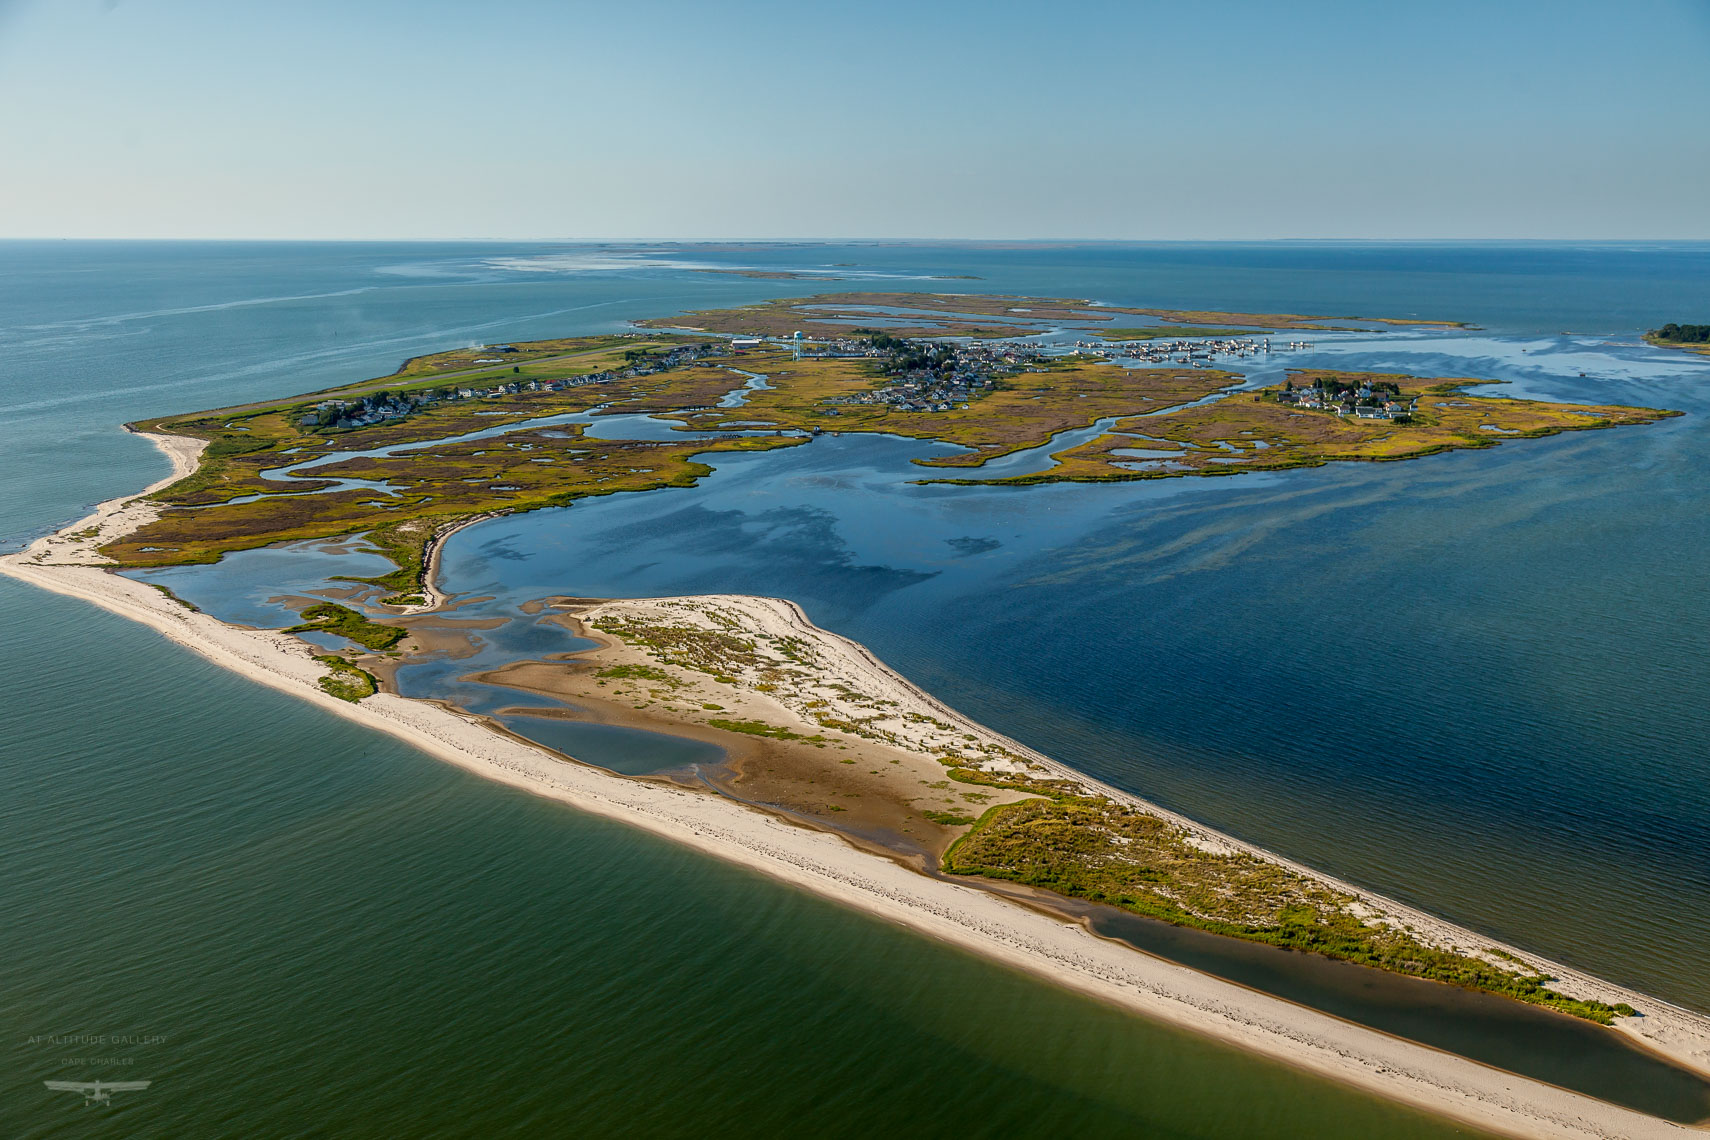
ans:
x=1199 y=352
x=929 y=376
x=1365 y=399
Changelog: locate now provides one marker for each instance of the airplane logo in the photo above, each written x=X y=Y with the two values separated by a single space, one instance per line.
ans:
x=97 y=1092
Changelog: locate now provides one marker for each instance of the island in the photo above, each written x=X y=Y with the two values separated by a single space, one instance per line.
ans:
x=462 y=435
x=841 y=776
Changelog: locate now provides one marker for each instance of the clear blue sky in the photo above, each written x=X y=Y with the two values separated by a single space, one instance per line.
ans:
x=655 y=119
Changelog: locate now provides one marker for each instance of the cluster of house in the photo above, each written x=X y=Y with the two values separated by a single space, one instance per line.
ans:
x=839 y=348
x=966 y=376
x=1365 y=400
x=343 y=415
x=1199 y=352
x=922 y=394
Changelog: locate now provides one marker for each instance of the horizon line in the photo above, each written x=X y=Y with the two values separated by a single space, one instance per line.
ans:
x=864 y=240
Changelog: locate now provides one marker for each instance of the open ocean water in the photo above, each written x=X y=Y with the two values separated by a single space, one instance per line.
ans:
x=1474 y=681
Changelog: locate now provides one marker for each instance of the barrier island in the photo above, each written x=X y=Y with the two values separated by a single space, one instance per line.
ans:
x=461 y=435
x=835 y=758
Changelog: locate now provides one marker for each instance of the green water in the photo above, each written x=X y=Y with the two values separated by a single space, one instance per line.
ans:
x=337 y=936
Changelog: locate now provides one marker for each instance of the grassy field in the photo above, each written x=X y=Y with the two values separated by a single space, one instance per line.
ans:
x=1255 y=432
x=436 y=487
x=1026 y=410
x=345 y=681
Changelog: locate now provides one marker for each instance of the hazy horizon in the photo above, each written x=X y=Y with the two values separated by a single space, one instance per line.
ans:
x=877 y=240
x=530 y=121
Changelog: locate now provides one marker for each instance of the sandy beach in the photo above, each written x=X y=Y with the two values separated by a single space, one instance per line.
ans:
x=78 y=542
x=1064 y=953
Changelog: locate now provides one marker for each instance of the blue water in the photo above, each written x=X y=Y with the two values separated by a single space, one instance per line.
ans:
x=1472 y=681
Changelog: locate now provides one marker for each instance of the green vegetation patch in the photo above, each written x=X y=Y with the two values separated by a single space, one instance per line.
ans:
x=639 y=673
x=347 y=623
x=1094 y=849
x=704 y=650
x=346 y=681
x=405 y=543
x=227 y=504
x=1049 y=788
x=1225 y=437
x=759 y=728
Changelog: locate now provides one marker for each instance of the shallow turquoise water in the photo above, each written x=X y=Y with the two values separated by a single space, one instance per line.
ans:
x=336 y=934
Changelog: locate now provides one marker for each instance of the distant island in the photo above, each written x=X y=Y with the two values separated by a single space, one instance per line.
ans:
x=984 y=315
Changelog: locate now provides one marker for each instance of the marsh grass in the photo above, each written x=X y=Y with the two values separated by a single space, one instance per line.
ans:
x=327 y=617
x=1094 y=849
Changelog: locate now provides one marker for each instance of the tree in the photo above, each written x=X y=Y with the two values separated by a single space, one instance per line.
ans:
x=1683 y=334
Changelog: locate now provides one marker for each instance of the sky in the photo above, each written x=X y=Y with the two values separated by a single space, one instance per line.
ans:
x=934 y=119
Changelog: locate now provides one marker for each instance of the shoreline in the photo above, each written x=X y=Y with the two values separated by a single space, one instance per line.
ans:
x=432 y=597
x=963 y=916
x=115 y=517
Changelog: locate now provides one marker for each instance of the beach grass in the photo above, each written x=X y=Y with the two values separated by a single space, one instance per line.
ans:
x=634 y=672
x=758 y=728
x=1060 y=835
x=347 y=682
